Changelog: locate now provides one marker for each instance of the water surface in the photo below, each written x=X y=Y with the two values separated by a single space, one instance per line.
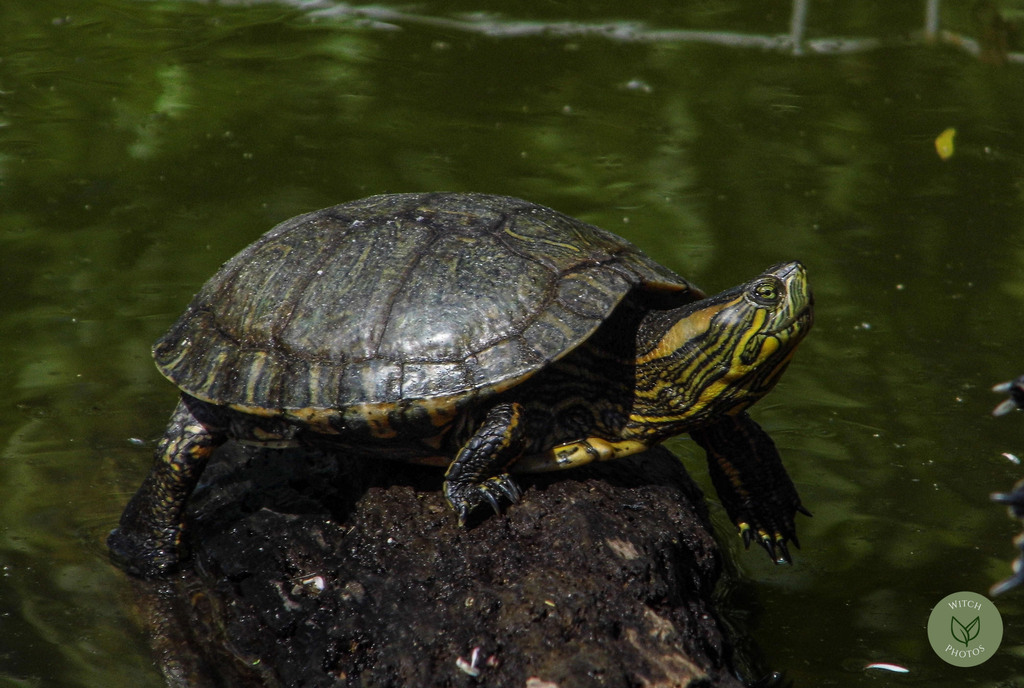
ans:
x=143 y=143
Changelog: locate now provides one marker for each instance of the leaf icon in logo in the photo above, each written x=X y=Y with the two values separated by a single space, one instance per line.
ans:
x=965 y=634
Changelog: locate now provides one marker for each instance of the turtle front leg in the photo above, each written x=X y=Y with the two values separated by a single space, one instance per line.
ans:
x=147 y=542
x=479 y=472
x=752 y=483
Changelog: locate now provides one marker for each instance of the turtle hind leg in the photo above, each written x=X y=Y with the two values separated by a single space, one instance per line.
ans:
x=752 y=483
x=479 y=472
x=147 y=541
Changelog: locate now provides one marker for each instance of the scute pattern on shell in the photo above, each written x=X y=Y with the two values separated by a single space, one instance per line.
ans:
x=400 y=298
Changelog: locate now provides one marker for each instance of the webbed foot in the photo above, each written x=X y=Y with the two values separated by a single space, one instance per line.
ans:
x=479 y=472
x=752 y=483
x=466 y=496
x=774 y=539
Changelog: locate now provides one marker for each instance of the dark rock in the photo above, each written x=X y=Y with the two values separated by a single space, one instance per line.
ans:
x=313 y=571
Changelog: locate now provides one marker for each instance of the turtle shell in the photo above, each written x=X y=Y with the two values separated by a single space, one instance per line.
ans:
x=396 y=299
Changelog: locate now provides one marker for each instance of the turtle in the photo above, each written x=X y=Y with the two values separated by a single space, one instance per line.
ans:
x=481 y=333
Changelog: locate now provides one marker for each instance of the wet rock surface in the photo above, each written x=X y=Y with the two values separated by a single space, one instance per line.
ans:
x=309 y=570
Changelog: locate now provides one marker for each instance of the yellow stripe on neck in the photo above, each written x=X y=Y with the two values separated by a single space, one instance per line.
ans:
x=693 y=325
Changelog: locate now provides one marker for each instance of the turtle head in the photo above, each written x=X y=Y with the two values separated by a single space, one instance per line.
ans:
x=721 y=354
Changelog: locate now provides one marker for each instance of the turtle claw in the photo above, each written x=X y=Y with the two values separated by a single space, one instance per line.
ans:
x=784 y=557
x=506 y=486
x=776 y=547
x=772 y=535
x=493 y=501
x=465 y=497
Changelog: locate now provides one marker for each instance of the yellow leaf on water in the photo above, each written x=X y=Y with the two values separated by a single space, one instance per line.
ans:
x=944 y=143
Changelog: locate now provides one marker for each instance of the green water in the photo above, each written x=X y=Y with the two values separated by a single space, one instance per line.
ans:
x=143 y=143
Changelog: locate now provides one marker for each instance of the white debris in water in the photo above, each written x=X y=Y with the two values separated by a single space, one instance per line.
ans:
x=884 y=666
x=637 y=85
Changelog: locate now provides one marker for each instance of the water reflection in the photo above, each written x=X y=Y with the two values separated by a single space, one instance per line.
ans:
x=144 y=143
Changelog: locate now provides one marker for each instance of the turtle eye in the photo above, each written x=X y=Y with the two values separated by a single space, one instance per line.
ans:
x=767 y=292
